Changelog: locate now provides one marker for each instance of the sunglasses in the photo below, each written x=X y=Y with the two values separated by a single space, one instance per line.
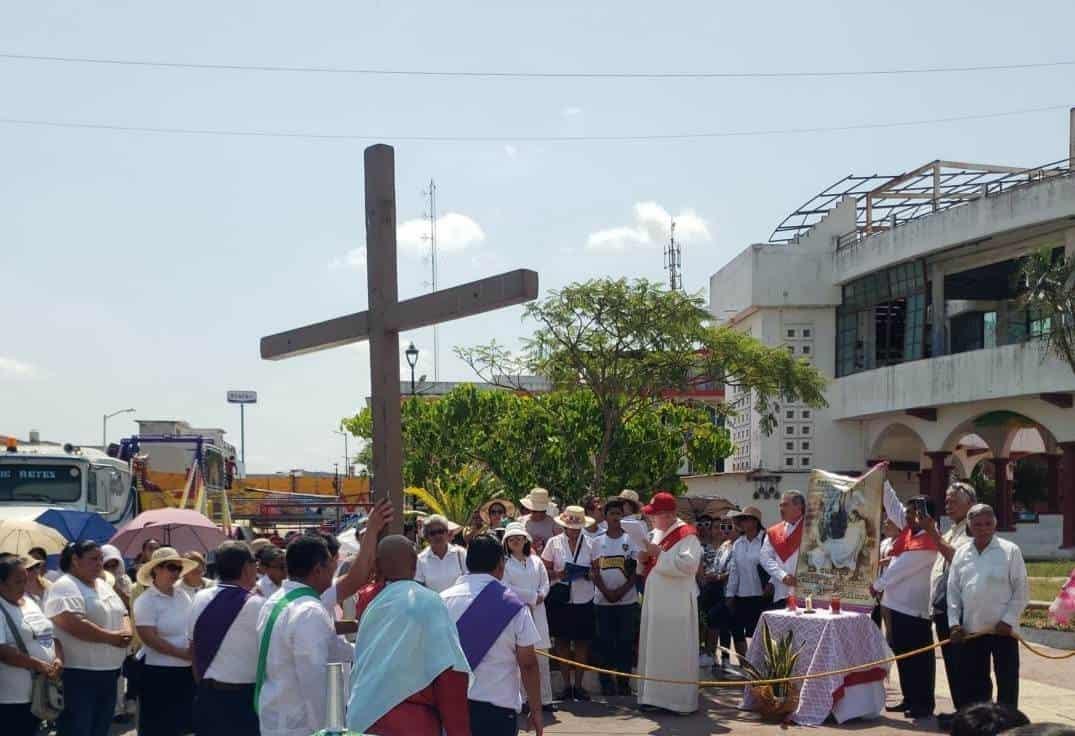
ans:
x=436 y=532
x=497 y=512
x=172 y=567
x=726 y=527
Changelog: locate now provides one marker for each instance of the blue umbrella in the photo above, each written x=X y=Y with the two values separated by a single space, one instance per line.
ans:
x=78 y=525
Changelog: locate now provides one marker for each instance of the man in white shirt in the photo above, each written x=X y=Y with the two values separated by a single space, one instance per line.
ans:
x=780 y=550
x=987 y=592
x=224 y=641
x=616 y=601
x=507 y=664
x=273 y=571
x=297 y=642
x=905 y=590
x=958 y=500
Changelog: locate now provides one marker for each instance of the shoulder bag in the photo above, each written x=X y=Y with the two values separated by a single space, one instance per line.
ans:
x=46 y=696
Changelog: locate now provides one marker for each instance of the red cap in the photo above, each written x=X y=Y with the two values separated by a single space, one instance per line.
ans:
x=662 y=502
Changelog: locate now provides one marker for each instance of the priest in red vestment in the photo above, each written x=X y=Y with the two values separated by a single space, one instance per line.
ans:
x=410 y=676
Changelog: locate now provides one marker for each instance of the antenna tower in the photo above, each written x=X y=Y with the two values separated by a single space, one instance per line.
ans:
x=431 y=197
x=673 y=260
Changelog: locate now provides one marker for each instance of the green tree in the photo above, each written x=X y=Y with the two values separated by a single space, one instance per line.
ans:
x=630 y=344
x=1047 y=291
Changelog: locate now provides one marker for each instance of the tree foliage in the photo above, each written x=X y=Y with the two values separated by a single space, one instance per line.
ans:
x=1046 y=289
x=631 y=344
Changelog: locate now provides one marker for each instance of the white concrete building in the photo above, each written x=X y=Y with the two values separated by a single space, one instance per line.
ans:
x=903 y=292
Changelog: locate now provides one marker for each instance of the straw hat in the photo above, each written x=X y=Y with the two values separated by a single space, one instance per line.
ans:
x=632 y=498
x=30 y=562
x=749 y=512
x=509 y=509
x=516 y=529
x=574 y=517
x=536 y=500
x=160 y=557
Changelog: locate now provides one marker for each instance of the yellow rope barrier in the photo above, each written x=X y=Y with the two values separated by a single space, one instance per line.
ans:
x=795 y=678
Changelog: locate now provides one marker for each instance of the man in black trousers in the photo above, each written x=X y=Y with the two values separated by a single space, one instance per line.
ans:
x=906 y=594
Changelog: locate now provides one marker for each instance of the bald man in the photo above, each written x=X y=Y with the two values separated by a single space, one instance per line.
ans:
x=410 y=676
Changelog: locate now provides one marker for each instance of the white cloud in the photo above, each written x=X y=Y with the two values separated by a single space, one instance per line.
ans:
x=510 y=151
x=570 y=112
x=455 y=232
x=16 y=369
x=650 y=227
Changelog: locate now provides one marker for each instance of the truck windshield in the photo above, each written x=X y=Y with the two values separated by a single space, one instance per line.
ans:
x=45 y=483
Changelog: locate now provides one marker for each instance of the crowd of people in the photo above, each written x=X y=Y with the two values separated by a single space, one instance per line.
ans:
x=450 y=635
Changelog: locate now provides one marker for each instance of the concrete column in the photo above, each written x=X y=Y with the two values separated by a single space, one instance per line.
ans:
x=1067 y=493
x=923 y=483
x=938 y=339
x=1052 y=477
x=938 y=478
x=1005 y=522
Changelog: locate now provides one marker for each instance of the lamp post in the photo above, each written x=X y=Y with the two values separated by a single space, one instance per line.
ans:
x=104 y=426
x=412 y=360
x=346 y=455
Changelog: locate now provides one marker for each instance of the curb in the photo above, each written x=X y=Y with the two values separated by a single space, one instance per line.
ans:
x=1049 y=637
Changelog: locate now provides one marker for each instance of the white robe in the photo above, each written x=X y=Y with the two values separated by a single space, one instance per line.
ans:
x=668 y=646
x=528 y=580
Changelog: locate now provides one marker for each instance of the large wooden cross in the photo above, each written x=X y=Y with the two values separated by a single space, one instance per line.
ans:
x=387 y=317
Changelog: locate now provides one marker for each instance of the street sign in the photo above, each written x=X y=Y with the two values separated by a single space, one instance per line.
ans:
x=242 y=397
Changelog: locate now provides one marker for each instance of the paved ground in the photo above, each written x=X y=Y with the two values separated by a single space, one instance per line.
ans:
x=1047 y=693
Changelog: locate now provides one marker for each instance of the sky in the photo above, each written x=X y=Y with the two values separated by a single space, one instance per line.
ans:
x=140 y=269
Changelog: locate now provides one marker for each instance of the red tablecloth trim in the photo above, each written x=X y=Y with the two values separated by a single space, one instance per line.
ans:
x=861 y=677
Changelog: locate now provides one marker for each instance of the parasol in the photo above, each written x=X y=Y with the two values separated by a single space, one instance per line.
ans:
x=183 y=529
x=19 y=536
x=78 y=525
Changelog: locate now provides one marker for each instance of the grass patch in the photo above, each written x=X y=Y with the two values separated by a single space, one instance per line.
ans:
x=1050 y=569
x=1040 y=620
x=1044 y=590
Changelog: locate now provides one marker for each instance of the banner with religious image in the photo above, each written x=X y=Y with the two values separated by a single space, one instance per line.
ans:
x=841 y=537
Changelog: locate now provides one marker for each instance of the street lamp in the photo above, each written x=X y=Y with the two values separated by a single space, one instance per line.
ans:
x=104 y=426
x=412 y=360
x=346 y=455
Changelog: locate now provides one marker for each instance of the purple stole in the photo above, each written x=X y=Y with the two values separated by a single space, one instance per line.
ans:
x=485 y=619
x=213 y=625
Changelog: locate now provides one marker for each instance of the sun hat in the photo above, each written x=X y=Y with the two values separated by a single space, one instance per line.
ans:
x=435 y=519
x=536 y=500
x=574 y=517
x=109 y=553
x=509 y=509
x=161 y=556
x=516 y=529
x=749 y=512
x=662 y=502
x=259 y=543
x=30 y=562
x=632 y=498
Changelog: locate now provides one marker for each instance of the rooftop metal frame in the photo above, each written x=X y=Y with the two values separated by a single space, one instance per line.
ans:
x=884 y=202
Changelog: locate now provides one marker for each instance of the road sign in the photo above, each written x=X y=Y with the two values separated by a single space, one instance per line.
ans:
x=242 y=397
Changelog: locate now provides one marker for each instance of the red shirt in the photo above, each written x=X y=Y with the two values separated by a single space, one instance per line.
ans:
x=441 y=705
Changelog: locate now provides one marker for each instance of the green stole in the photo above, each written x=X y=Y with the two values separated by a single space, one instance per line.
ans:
x=263 y=650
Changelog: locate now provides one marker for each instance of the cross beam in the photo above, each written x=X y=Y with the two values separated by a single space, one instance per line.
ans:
x=387 y=317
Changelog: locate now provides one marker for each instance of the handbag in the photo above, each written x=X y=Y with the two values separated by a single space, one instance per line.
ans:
x=46 y=696
x=560 y=594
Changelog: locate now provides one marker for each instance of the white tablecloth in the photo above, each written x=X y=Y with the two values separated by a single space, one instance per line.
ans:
x=829 y=642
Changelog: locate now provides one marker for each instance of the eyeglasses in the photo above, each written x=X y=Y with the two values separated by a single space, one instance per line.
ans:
x=172 y=567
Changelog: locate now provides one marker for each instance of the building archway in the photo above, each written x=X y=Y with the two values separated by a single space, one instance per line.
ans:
x=905 y=451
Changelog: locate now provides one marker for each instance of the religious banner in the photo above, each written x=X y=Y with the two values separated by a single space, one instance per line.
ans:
x=841 y=537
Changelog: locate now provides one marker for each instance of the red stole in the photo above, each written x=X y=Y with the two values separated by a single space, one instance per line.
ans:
x=671 y=539
x=908 y=541
x=784 y=545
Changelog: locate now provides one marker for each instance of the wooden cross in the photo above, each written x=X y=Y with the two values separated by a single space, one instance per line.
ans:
x=387 y=317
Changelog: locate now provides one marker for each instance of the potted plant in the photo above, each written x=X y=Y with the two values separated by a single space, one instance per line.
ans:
x=781 y=699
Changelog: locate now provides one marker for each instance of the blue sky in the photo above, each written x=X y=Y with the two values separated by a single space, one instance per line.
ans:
x=140 y=269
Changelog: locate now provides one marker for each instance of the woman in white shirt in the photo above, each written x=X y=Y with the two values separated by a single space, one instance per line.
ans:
x=525 y=574
x=27 y=648
x=161 y=613
x=744 y=593
x=441 y=563
x=92 y=627
x=570 y=601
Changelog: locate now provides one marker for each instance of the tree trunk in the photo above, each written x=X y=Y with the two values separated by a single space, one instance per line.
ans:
x=602 y=454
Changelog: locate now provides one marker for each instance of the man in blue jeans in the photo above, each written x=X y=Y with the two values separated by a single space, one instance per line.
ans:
x=616 y=599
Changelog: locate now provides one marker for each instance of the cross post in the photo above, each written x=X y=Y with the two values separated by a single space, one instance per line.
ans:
x=387 y=317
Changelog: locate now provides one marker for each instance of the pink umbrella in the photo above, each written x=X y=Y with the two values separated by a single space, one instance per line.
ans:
x=183 y=529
